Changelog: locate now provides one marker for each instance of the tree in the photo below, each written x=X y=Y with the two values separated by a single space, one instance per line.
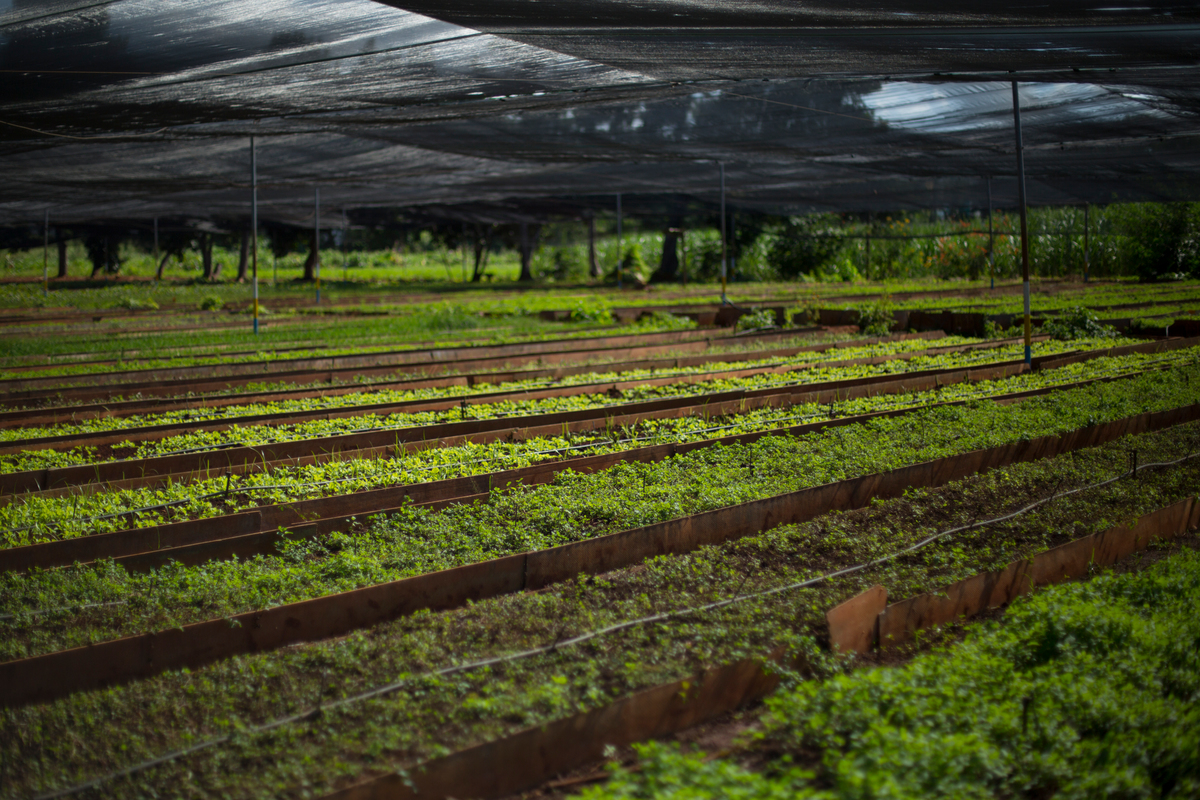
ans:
x=805 y=245
x=1162 y=239
x=527 y=245
x=60 y=238
x=171 y=244
x=313 y=260
x=244 y=257
x=483 y=246
x=668 y=265
x=593 y=265
x=205 y=243
x=103 y=249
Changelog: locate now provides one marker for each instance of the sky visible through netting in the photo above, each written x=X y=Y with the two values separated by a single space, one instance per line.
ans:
x=128 y=110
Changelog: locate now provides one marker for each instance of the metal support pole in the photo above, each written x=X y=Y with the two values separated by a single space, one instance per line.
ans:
x=1024 y=222
x=317 y=237
x=345 y=246
x=254 y=226
x=1086 y=250
x=46 y=254
x=733 y=251
x=991 y=236
x=620 y=246
x=156 y=251
x=867 y=265
x=724 y=252
x=464 y=253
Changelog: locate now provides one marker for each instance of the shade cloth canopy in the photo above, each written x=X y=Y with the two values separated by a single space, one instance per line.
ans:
x=133 y=109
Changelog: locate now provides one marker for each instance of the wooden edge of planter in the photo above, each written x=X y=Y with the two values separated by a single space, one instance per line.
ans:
x=60 y=673
x=528 y=758
x=178 y=534
x=900 y=621
x=154 y=470
x=82 y=390
x=158 y=432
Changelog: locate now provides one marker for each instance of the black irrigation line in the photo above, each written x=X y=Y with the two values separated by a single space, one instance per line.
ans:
x=559 y=451
x=560 y=644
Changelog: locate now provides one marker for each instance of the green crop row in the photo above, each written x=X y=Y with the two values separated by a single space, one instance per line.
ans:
x=270 y=351
x=572 y=508
x=266 y=433
x=36 y=518
x=54 y=745
x=1085 y=690
x=370 y=396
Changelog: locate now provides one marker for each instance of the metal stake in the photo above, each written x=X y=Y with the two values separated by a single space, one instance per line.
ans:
x=317 y=237
x=991 y=236
x=254 y=225
x=620 y=247
x=1024 y=222
x=345 y=245
x=464 y=253
x=724 y=252
x=733 y=251
x=46 y=255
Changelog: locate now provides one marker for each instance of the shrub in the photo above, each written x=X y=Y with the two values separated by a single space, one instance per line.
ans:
x=583 y=312
x=1077 y=323
x=211 y=303
x=134 y=304
x=875 y=319
x=807 y=246
x=759 y=318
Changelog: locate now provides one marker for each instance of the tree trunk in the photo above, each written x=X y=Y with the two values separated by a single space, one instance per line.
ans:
x=528 y=244
x=310 y=263
x=244 y=258
x=593 y=265
x=62 y=254
x=668 y=266
x=483 y=242
x=206 y=261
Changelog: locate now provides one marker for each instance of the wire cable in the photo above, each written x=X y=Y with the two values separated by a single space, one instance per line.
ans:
x=316 y=711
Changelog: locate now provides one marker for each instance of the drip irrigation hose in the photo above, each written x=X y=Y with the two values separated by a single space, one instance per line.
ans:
x=560 y=644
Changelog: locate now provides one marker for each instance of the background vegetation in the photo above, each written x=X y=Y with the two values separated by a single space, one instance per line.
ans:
x=1147 y=241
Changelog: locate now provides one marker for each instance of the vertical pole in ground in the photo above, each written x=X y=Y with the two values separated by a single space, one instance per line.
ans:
x=733 y=249
x=724 y=251
x=156 y=251
x=1024 y=222
x=345 y=247
x=254 y=226
x=867 y=265
x=1086 y=250
x=620 y=246
x=46 y=255
x=464 y=253
x=317 y=237
x=991 y=236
